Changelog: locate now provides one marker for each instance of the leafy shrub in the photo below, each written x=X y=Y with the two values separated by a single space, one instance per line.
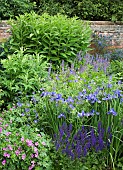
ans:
x=23 y=148
x=116 y=68
x=84 y=9
x=10 y=9
x=57 y=37
x=22 y=74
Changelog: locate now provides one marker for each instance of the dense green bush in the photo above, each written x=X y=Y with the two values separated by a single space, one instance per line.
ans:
x=22 y=74
x=85 y=9
x=10 y=9
x=57 y=37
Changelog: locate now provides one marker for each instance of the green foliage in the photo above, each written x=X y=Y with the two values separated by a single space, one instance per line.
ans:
x=116 y=68
x=22 y=74
x=85 y=9
x=57 y=37
x=10 y=9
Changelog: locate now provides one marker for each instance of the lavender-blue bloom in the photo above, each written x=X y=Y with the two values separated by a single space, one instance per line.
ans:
x=69 y=100
x=112 y=111
x=27 y=109
x=35 y=121
x=81 y=114
x=22 y=114
x=19 y=104
x=61 y=116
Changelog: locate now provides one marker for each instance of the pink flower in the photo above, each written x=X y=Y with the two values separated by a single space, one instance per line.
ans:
x=31 y=167
x=35 y=149
x=36 y=143
x=39 y=135
x=4 y=162
x=32 y=162
x=17 y=152
x=4 y=149
x=0 y=130
x=6 y=155
x=29 y=142
x=22 y=139
x=23 y=156
x=1 y=118
x=43 y=143
x=6 y=125
x=19 y=148
x=32 y=156
x=17 y=134
x=36 y=155
x=10 y=109
x=10 y=121
x=8 y=133
x=0 y=123
x=10 y=148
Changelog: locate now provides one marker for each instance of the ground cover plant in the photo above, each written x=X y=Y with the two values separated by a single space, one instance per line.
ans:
x=59 y=117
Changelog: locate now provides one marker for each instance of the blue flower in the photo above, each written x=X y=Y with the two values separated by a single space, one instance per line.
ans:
x=22 y=114
x=112 y=111
x=81 y=114
x=19 y=104
x=35 y=121
x=27 y=110
x=61 y=116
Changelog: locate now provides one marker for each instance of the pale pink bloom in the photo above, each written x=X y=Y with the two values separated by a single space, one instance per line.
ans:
x=1 y=118
x=17 y=152
x=36 y=155
x=6 y=155
x=17 y=134
x=23 y=156
x=22 y=139
x=0 y=123
x=6 y=125
x=4 y=162
x=29 y=142
x=36 y=143
x=32 y=162
x=35 y=149
x=10 y=148
x=0 y=130
x=10 y=121
x=19 y=148
x=39 y=135
x=10 y=109
x=43 y=143
x=4 y=149
x=31 y=167
x=32 y=156
x=8 y=133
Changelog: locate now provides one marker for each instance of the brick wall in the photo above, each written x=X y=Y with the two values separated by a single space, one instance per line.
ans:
x=4 y=31
x=102 y=27
x=114 y=30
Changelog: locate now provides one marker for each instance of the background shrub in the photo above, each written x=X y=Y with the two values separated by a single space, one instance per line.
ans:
x=10 y=9
x=57 y=37
x=84 y=9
